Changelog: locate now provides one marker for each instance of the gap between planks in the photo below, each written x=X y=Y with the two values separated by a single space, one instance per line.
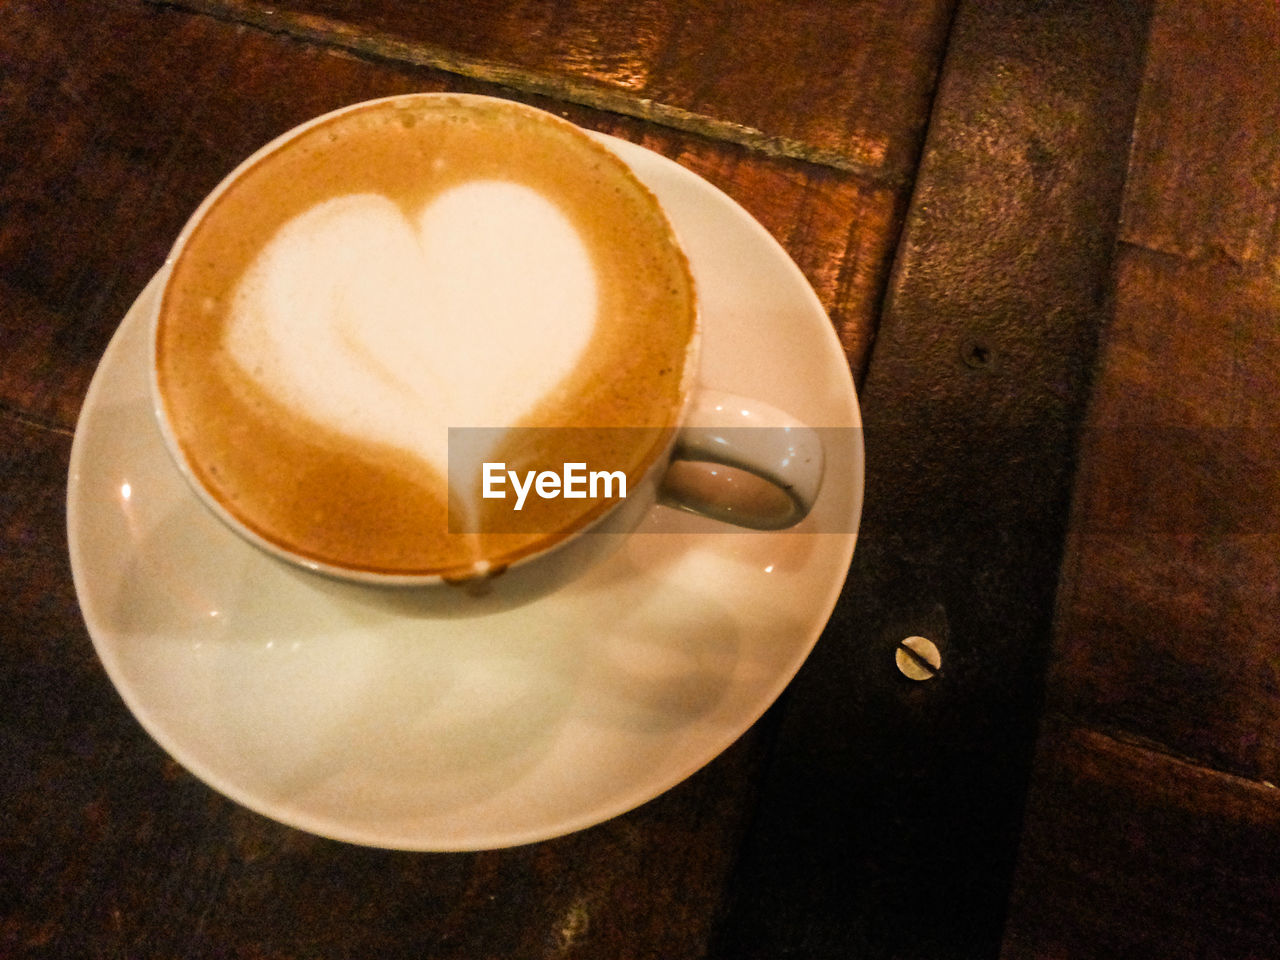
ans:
x=26 y=419
x=380 y=46
x=1072 y=733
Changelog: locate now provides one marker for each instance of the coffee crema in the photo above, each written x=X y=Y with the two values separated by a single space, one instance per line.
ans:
x=399 y=269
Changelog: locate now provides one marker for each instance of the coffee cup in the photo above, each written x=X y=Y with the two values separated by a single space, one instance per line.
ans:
x=445 y=341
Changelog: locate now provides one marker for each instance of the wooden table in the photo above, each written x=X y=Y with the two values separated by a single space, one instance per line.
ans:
x=1048 y=237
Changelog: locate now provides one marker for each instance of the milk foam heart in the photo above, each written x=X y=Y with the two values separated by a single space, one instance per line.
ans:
x=394 y=330
x=399 y=268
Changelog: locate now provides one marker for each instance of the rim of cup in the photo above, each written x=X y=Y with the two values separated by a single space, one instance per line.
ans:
x=482 y=570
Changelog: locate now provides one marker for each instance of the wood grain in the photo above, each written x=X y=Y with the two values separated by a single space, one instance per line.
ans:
x=1205 y=178
x=1138 y=854
x=1153 y=824
x=842 y=84
x=1169 y=612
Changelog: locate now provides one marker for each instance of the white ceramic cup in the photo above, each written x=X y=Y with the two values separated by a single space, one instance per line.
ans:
x=752 y=438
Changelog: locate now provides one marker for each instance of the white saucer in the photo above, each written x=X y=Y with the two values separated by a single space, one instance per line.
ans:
x=340 y=711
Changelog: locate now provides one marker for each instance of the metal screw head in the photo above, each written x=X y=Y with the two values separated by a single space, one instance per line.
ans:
x=918 y=658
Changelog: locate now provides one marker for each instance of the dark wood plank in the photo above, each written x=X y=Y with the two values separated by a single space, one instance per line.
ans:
x=1205 y=179
x=1153 y=827
x=1140 y=855
x=846 y=84
x=890 y=822
x=1169 y=613
x=1167 y=626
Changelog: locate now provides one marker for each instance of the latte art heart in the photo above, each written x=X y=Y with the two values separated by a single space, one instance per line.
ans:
x=381 y=276
x=393 y=330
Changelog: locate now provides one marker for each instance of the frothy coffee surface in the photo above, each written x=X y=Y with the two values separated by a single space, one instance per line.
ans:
x=405 y=268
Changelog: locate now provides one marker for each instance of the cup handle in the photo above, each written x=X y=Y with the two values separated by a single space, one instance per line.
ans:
x=774 y=462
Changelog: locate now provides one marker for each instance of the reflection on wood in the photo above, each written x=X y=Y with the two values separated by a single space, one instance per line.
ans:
x=842 y=84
